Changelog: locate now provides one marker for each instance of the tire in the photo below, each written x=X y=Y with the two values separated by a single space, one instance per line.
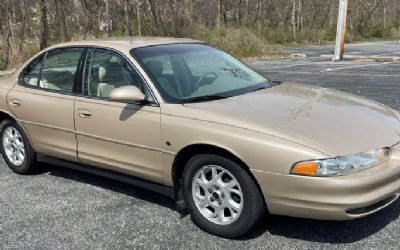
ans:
x=19 y=143
x=233 y=221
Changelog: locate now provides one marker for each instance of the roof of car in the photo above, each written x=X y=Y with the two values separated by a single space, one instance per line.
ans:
x=127 y=43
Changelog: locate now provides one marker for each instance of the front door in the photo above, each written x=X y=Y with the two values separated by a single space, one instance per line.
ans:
x=43 y=100
x=123 y=137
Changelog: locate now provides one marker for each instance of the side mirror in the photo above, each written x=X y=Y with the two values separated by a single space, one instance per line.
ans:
x=127 y=94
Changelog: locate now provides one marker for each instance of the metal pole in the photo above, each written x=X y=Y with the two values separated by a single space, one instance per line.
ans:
x=341 y=31
x=108 y=19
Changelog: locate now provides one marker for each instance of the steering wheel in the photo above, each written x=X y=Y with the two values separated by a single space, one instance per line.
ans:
x=213 y=74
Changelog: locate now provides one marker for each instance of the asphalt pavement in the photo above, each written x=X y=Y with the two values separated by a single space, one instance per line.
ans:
x=374 y=49
x=65 y=209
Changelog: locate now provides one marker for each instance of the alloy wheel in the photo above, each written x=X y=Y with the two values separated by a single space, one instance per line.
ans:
x=13 y=146
x=217 y=194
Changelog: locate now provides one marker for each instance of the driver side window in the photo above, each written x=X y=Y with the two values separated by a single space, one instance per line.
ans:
x=106 y=70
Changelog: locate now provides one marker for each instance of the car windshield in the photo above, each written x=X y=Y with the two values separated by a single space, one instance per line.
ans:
x=197 y=72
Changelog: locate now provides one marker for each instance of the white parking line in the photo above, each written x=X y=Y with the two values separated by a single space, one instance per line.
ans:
x=357 y=66
x=300 y=64
x=320 y=52
x=369 y=43
x=386 y=54
x=261 y=62
x=365 y=51
x=372 y=53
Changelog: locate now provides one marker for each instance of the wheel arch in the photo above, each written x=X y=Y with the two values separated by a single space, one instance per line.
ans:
x=7 y=116
x=186 y=153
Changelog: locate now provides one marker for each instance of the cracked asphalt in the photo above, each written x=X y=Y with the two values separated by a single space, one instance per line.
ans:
x=64 y=209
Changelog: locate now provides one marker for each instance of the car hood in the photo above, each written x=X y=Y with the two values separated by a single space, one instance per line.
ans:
x=327 y=120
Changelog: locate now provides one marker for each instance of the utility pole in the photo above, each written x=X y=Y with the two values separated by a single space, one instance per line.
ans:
x=109 y=24
x=341 y=30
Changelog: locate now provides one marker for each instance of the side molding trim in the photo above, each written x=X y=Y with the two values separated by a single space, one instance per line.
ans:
x=155 y=187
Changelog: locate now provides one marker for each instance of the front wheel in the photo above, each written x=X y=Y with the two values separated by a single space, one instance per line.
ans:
x=221 y=196
x=16 y=149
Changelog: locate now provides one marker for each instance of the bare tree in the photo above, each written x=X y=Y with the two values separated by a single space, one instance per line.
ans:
x=127 y=19
x=28 y=25
x=293 y=19
x=218 y=13
x=44 y=26
x=6 y=35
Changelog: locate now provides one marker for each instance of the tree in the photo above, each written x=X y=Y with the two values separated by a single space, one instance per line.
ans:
x=218 y=13
x=6 y=36
x=28 y=25
x=43 y=27
x=127 y=19
x=293 y=19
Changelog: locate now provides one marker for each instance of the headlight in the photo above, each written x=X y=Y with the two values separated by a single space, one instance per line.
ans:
x=342 y=165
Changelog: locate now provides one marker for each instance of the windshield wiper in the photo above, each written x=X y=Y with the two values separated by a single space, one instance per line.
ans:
x=204 y=98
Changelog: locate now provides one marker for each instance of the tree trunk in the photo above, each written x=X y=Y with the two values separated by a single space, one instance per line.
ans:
x=23 y=26
x=109 y=22
x=188 y=5
x=62 y=26
x=6 y=49
x=43 y=25
x=246 y=12
x=6 y=36
x=128 y=27
x=138 y=18
x=257 y=13
x=240 y=15
x=293 y=20
x=218 y=13
x=153 y=8
x=384 y=13
x=261 y=18
x=226 y=12
x=300 y=16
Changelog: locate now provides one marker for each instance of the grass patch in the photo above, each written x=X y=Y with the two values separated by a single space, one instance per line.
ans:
x=239 y=42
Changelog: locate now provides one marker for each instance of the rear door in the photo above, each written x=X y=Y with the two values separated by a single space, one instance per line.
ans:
x=43 y=100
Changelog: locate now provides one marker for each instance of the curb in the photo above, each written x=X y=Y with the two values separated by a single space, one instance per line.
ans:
x=368 y=58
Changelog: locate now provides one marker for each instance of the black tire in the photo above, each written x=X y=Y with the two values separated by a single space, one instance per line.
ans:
x=253 y=204
x=27 y=166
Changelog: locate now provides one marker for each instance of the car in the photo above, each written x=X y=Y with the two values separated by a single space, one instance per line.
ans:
x=182 y=118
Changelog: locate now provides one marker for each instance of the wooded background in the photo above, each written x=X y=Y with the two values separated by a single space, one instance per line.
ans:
x=243 y=27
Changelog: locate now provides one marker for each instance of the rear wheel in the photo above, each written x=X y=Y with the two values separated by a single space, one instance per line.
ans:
x=221 y=196
x=16 y=149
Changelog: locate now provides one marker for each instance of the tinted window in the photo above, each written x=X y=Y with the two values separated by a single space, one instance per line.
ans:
x=106 y=70
x=31 y=74
x=184 y=72
x=59 y=70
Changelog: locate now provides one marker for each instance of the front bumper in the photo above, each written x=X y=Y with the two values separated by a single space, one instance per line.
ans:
x=333 y=198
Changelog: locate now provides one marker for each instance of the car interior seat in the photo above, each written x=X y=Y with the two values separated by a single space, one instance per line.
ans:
x=156 y=68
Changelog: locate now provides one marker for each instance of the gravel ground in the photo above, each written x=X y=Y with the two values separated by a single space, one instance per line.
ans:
x=65 y=209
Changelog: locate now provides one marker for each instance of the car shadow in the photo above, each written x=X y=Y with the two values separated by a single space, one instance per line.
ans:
x=109 y=184
x=127 y=112
x=333 y=232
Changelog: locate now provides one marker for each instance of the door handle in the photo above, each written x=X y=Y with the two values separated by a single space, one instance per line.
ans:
x=15 y=103
x=83 y=113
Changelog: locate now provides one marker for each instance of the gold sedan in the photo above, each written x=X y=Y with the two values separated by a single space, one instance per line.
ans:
x=182 y=118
